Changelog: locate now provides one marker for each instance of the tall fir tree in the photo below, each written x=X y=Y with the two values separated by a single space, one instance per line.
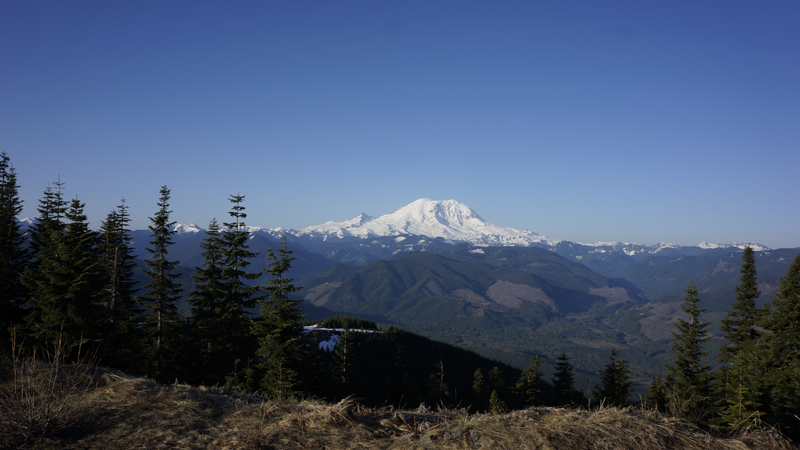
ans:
x=437 y=390
x=738 y=380
x=615 y=383
x=14 y=253
x=279 y=329
x=161 y=328
x=206 y=300
x=480 y=392
x=67 y=296
x=239 y=299
x=119 y=294
x=689 y=377
x=783 y=344
x=49 y=225
x=739 y=325
x=45 y=235
x=564 y=383
x=529 y=385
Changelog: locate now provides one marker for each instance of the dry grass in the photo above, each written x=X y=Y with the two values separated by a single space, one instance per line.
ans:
x=127 y=412
x=42 y=396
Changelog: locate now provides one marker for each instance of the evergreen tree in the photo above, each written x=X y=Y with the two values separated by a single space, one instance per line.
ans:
x=14 y=253
x=657 y=395
x=495 y=382
x=564 y=383
x=739 y=325
x=45 y=235
x=68 y=292
x=689 y=377
x=116 y=247
x=49 y=225
x=783 y=343
x=280 y=329
x=742 y=409
x=437 y=389
x=615 y=386
x=206 y=300
x=162 y=321
x=480 y=393
x=496 y=404
x=234 y=320
x=738 y=382
x=529 y=385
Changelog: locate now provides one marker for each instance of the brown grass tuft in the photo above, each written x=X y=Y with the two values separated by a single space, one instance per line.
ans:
x=41 y=396
x=138 y=413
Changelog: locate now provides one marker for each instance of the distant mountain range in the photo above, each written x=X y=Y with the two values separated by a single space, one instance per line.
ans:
x=455 y=222
x=433 y=225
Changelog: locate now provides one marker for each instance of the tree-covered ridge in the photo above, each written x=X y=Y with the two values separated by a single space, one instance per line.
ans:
x=429 y=286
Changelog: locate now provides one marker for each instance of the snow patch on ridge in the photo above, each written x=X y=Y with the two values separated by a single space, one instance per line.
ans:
x=742 y=245
x=663 y=246
x=25 y=224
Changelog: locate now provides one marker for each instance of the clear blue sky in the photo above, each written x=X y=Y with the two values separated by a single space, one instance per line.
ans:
x=640 y=121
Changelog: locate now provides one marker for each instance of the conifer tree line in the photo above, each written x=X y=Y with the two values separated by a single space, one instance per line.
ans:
x=63 y=281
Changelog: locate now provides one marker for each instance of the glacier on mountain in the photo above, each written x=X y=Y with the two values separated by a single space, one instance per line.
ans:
x=448 y=219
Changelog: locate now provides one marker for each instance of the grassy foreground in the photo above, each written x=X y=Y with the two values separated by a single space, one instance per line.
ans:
x=82 y=407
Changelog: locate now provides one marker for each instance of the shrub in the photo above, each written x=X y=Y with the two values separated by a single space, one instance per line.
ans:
x=41 y=395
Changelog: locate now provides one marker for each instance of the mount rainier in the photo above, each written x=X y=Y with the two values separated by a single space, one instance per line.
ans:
x=450 y=220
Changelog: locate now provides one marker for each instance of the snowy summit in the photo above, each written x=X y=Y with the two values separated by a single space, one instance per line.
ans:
x=448 y=219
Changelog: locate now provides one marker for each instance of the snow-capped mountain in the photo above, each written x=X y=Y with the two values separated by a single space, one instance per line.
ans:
x=448 y=219
x=187 y=228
